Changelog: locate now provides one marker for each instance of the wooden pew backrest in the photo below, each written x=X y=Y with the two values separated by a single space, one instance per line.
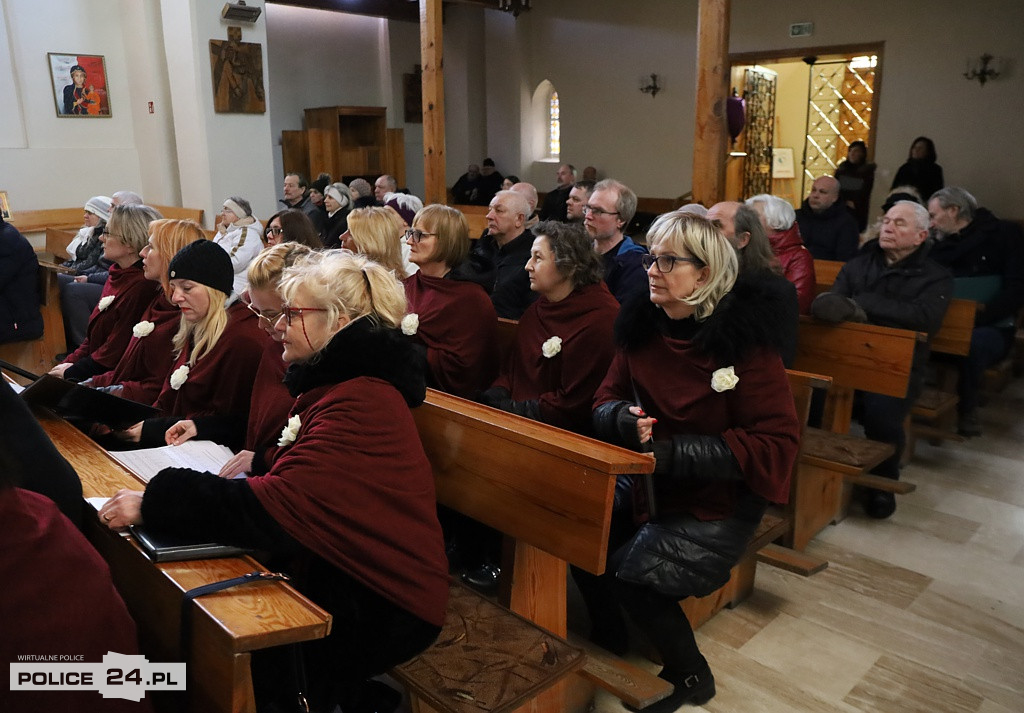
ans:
x=493 y=466
x=825 y=272
x=954 y=336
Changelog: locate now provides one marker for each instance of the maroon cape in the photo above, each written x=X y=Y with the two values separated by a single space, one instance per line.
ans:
x=111 y=329
x=459 y=327
x=565 y=383
x=142 y=370
x=356 y=488
x=57 y=598
x=221 y=381
x=271 y=402
x=757 y=419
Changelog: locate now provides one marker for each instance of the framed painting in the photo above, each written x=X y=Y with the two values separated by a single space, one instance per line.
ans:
x=782 y=163
x=237 y=77
x=79 y=85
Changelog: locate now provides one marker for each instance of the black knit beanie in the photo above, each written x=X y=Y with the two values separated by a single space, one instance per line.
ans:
x=204 y=262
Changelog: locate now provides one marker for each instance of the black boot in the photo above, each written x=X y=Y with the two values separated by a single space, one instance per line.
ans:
x=694 y=689
x=879 y=504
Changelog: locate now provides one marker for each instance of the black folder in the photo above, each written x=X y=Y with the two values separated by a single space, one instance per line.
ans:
x=171 y=549
x=71 y=400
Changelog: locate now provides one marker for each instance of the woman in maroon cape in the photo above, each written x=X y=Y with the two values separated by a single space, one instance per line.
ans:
x=697 y=379
x=143 y=369
x=454 y=321
x=348 y=505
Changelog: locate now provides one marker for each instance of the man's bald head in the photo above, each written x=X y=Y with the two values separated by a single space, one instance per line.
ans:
x=824 y=193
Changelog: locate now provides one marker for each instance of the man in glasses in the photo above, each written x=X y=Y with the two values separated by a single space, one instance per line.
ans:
x=606 y=214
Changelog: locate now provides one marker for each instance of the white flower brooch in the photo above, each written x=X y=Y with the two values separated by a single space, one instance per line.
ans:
x=290 y=432
x=105 y=302
x=724 y=379
x=143 y=329
x=179 y=377
x=410 y=324
x=551 y=347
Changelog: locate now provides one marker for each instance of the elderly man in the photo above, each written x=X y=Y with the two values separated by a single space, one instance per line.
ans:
x=827 y=226
x=498 y=260
x=383 y=185
x=554 y=207
x=892 y=283
x=607 y=213
x=742 y=227
x=529 y=192
x=986 y=256
x=579 y=194
x=296 y=195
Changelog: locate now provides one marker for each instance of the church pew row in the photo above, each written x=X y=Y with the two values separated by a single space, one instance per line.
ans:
x=37 y=221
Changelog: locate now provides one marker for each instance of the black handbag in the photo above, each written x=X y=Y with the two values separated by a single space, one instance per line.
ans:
x=679 y=556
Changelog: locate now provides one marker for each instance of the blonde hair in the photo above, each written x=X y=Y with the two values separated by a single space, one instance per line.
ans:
x=206 y=332
x=168 y=236
x=130 y=224
x=266 y=268
x=346 y=284
x=687 y=234
x=451 y=229
x=376 y=233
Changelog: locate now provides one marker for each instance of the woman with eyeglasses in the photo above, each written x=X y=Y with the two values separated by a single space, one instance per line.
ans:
x=291 y=226
x=216 y=348
x=125 y=296
x=270 y=401
x=454 y=321
x=348 y=504
x=377 y=232
x=338 y=204
x=140 y=373
x=698 y=380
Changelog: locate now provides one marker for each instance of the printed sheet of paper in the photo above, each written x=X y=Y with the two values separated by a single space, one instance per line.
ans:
x=197 y=455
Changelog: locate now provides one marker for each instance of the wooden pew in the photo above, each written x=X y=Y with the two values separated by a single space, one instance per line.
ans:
x=548 y=490
x=476 y=216
x=825 y=272
x=857 y=357
x=37 y=221
x=226 y=627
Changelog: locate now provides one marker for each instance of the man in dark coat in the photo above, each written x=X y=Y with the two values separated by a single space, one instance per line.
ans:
x=828 y=228
x=554 y=207
x=20 y=319
x=296 y=195
x=986 y=257
x=891 y=283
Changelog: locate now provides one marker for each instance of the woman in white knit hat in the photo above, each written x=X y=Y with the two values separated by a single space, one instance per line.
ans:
x=338 y=202
x=239 y=233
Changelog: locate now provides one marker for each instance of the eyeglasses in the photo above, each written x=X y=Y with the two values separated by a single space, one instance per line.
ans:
x=113 y=235
x=290 y=312
x=598 y=212
x=416 y=235
x=275 y=231
x=268 y=316
x=667 y=262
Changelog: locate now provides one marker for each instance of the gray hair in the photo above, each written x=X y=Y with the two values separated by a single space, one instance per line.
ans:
x=515 y=202
x=920 y=213
x=954 y=196
x=778 y=213
x=626 y=203
x=127 y=198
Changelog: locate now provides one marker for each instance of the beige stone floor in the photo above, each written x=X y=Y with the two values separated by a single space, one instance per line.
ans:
x=921 y=612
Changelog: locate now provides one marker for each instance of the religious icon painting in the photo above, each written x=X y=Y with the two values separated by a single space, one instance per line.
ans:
x=79 y=85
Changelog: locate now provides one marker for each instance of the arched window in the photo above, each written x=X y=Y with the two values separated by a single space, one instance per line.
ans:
x=554 y=127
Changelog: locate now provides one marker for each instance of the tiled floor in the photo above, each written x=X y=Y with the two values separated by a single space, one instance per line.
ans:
x=921 y=612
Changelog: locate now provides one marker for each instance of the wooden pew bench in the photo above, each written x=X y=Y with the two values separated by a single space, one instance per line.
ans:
x=476 y=216
x=225 y=627
x=37 y=221
x=857 y=357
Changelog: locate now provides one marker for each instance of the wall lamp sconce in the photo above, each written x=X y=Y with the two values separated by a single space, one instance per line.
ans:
x=651 y=87
x=514 y=6
x=986 y=67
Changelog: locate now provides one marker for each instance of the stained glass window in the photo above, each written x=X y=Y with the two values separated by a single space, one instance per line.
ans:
x=554 y=127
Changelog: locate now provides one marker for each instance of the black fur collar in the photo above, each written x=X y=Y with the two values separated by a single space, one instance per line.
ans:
x=749 y=316
x=364 y=348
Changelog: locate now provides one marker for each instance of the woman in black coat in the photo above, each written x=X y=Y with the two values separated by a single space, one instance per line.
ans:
x=920 y=170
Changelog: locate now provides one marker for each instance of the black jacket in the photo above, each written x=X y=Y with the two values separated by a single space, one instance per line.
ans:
x=20 y=319
x=554 y=207
x=988 y=246
x=501 y=270
x=912 y=294
x=831 y=234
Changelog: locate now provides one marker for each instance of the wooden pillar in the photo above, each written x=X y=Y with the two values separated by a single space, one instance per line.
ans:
x=431 y=54
x=711 y=135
